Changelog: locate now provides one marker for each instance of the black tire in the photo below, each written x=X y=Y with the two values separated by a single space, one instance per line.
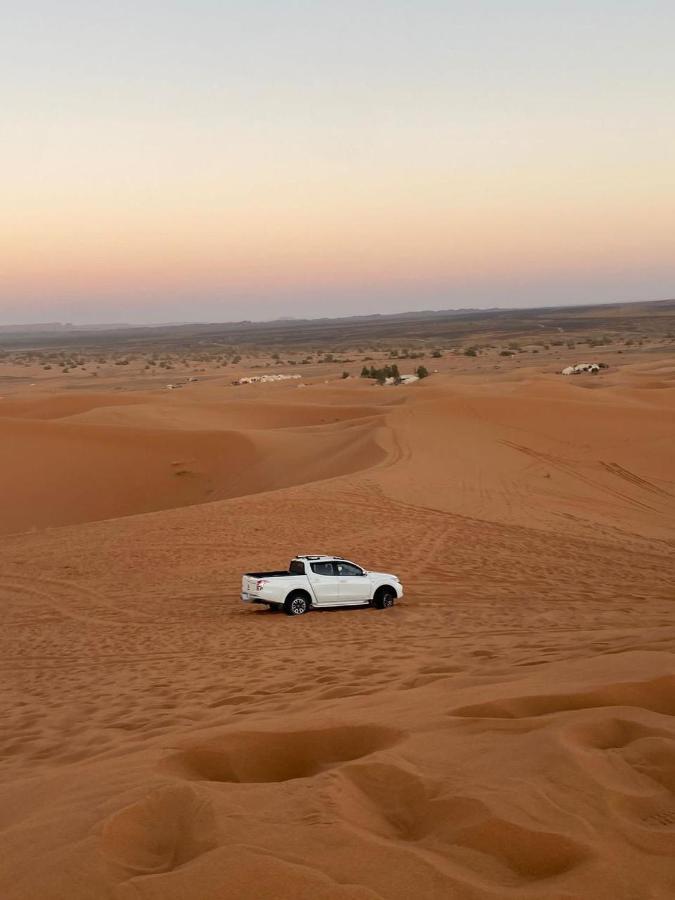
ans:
x=296 y=605
x=384 y=598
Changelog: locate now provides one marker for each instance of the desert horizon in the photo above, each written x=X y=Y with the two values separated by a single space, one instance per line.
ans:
x=504 y=730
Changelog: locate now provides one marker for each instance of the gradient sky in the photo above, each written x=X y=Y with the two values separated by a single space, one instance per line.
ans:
x=215 y=160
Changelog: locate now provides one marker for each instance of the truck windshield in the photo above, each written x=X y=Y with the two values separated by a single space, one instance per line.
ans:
x=297 y=567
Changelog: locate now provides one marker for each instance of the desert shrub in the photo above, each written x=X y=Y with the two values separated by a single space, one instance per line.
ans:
x=436 y=354
x=422 y=372
x=507 y=353
x=470 y=351
x=345 y=374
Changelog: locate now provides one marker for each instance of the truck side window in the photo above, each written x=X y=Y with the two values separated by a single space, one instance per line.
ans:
x=323 y=568
x=348 y=569
x=297 y=567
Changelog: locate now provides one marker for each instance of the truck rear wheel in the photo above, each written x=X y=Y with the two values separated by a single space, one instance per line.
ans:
x=384 y=598
x=296 y=605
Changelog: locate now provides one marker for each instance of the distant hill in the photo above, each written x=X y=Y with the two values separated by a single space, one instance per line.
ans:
x=451 y=326
x=61 y=327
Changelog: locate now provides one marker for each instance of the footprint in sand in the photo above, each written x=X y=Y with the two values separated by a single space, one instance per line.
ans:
x=263 y=757
x=392 y=801
x=167 y=828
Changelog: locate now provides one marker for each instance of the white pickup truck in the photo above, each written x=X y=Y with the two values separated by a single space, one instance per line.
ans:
x=320 y=581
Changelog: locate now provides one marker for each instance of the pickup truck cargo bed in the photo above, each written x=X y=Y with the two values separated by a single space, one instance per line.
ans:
x=267 y=574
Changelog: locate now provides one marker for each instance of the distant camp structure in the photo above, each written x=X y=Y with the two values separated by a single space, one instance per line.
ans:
x=263 y=379
x=584 y=368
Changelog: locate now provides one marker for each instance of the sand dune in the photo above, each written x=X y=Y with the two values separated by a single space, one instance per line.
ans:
x=543 y=455
x=60 y=467
x=508 y=730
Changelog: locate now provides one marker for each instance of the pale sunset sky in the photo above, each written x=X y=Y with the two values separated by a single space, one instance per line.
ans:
x=209 y=160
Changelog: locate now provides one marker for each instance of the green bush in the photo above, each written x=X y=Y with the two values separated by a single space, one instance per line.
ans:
x=381 y=375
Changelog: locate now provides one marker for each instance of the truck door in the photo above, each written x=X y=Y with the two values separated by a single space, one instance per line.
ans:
x=354 y=584
x=324 y=581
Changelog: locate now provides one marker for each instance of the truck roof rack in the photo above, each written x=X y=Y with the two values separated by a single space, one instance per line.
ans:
x=317 y=556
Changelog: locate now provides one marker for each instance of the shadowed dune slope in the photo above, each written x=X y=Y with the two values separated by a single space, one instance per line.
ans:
x=62 y=472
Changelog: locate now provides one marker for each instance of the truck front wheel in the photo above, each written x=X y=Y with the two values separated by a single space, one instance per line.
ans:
x=296 y=605
x=384 y=598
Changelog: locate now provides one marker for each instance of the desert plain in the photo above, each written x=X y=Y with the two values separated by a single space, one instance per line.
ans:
x=507 y=730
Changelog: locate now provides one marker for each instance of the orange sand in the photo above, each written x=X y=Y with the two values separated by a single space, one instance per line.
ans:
x=505 y=731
